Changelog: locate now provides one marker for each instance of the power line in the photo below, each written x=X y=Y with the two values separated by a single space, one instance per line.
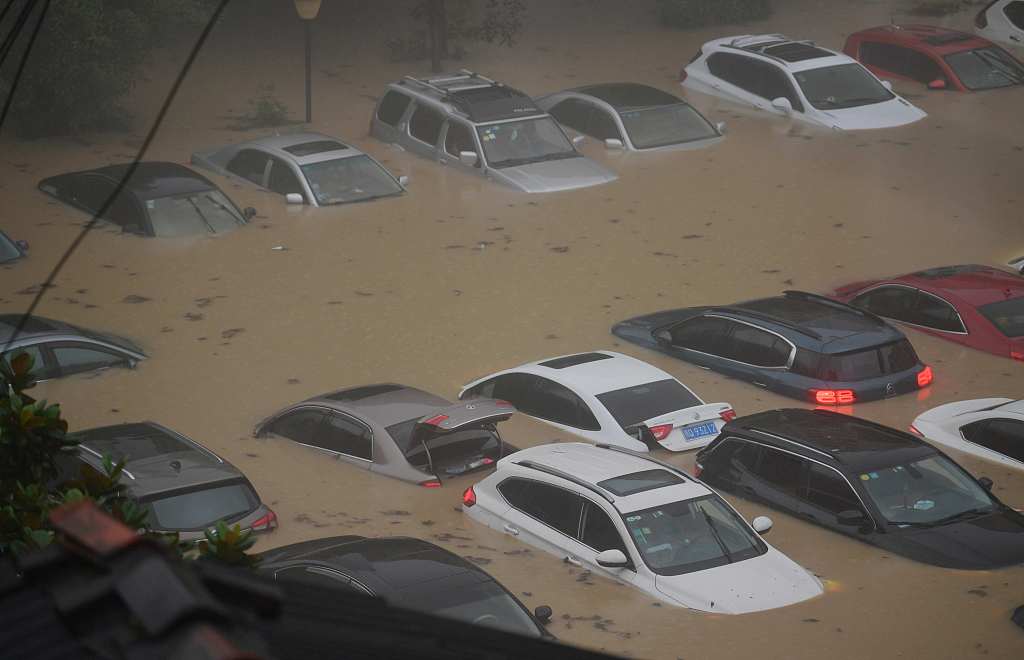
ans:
x=21 y=65
x=19 y=23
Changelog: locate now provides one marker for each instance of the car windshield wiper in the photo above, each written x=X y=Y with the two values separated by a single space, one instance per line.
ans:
x=558 y=155
x=192 y=201
x=714 y=531
x=969 y=513
x=234 y=216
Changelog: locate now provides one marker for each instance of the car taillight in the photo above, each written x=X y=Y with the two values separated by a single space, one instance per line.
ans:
x=469 y=497
x=435 y=420
x=913 y=429
x=697 y=469
x=833 y=397
x=431 y=483
x=661 y=431
x=1016 y=355
x=267 y=522
x=924 y=377
x=728 y=414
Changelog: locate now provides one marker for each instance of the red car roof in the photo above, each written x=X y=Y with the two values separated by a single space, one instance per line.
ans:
x=926 y=37
x=975 y=285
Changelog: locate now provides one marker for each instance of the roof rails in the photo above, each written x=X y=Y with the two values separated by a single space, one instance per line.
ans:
x=463 y=80
x=802 y=445
x=767 y=317
x=825 y=300
x=668 y=466
x=568 y=477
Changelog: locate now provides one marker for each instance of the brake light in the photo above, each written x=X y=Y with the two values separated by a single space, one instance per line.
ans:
x=661 y=431
x=265 y=523
x=431 y=483
x=435 y=420
x=833 y=397
x=697 y=469
x=924 y=377
x=469 y=497
x=913 y=429
x=1016 y=355
x=728 y=414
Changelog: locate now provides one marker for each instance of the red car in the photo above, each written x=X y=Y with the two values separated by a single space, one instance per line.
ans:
x=978 y=306
x=937 y=57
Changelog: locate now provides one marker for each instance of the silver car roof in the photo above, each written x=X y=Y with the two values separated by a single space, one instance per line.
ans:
x=384 y=403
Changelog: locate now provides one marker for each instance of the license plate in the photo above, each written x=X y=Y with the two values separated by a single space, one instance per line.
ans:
x=699 y=430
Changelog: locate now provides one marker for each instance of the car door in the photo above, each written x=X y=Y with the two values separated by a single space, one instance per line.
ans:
x=997 y=438
x=250 y=164
x=599 y=532
x=700 y=340
x=890 y=60
x=572 y=114
x=891 y=301
x=543 y=515
x=755 y=352
x=283 y=179
x=460 y=137
x=424 y=131
x=777 y=479
x=349 y=439
x=827 y=493
x=730 y=466
x=939 y=315
x=734 y=76
x=301 y=425
x=43 y=367
x=557 y=404
x=388 y=123
x=71 y=357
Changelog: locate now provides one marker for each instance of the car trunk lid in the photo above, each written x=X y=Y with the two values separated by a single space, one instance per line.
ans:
x=689 y=428
x=460 y=438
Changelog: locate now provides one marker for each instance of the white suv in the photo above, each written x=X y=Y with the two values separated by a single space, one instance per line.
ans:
x=642 y=522
x=796 y=78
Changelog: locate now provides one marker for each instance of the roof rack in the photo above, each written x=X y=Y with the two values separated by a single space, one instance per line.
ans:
x=767 y=317
x=568 y=477
x=758 y=43
x=825 y=300
x=668 y=466
x=463 y=80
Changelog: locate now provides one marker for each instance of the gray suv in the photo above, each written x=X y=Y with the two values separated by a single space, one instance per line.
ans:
x=478 y=125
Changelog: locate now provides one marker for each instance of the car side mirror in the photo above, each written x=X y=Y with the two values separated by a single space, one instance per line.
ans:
x=720 y=127
x=468 y=158
x=403 y=180
x=542 y=613
x=248 y=213
x=986 y=483
x=294 y=198
x=762 y=524
x=851 y=518
x=578 y=140
x=613 y=143
x=887 y=85
x=938 y=83
x=782 y=103
x=22 y=245
x=132 y=363
x=613 y=558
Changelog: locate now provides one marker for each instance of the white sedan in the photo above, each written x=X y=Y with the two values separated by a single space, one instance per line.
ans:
x=1002 y=21
x=992 y=429
x=603 y=396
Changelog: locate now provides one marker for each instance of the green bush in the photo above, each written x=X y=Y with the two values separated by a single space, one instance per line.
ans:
x=700 y=13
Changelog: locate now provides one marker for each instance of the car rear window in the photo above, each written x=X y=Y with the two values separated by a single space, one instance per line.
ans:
x=632 y=405
x=870 y=363
x=449 y=452
x=1006 y=315
x=201 y=508
x=638 y=482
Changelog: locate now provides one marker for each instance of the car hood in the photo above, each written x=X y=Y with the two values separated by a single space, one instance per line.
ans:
x=894 y=112
x=555 y=175
x=949 y=410
x=762 y=583
x=988 y=541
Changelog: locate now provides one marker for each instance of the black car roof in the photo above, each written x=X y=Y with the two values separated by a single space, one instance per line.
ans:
x=824 y=435
x=151 y=179
x=629 y=95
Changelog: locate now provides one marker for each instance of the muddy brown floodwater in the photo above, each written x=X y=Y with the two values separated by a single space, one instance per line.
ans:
x=461 y=277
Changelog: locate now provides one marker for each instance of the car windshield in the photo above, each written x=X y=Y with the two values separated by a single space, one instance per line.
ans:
x=527 y=141
x=986 y=68
x=869 y=363
x=202 y=508
x=841 y=86
x=345 y=180
x=1006 y=315
x=692 y=535
x=483 y=604
x=8 y=250
x=207 y=212
x=931 y=490
x=665 y=125
x=639 y=403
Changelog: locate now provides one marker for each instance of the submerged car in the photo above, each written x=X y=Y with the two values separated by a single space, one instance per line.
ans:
x=307 y=168
x=608 y=397
x=992 y=429
x=632 y=116
x=798 y=79
x=397 y=431
x=937 y=57
x=61 y=349
x=868 y=481
x=643 y=522
x=977 y=306
x=481 y=126
x=408 y=573
x=158 y=199
x=798 y=344
x=1002 y=21
x=183 y=487
x=11 y=250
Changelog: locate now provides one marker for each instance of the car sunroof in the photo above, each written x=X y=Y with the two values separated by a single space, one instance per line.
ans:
x=638 y=482
x=310 y=148
x=573 y=360
x=357 y=393
x=796 y=52
x=132 y=442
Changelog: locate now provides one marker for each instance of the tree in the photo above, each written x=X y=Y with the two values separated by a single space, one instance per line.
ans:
x=499 y=21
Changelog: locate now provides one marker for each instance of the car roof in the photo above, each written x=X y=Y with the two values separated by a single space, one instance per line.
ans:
x=384 y=403
x=38 y=327
x=474 y=96
x=794 y=55
x=596 y=372
x=150 y=180
x=831 y=436
x=625 y=95
x=939 y=40
x=290 y=147
x=972 y=283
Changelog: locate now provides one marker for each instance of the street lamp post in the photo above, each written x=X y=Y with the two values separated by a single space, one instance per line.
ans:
x=308 y=10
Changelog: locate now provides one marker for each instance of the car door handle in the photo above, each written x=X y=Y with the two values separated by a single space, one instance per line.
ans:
x=704 y=368
x=569 y=559
x=759 y=384
x=514 y=531
x=747 y=490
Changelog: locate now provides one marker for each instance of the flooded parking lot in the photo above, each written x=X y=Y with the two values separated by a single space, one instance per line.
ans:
x=461 y=277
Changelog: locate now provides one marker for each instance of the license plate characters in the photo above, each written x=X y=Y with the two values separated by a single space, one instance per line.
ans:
x=695 y=431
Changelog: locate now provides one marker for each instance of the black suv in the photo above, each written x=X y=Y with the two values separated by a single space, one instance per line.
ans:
x=799 y=344
x=866 y=480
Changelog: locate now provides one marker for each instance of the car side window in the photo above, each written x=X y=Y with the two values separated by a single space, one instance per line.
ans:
x=805 y=363
x=704 y=333
x=601 y=125
x=888 y=57
x=828 y=490
x=249 y=164
x=556 y=403
x=551 y=505
x=894 y=302
x=922 y=68
x=572 y=113
x=934 y=312
x=599 y=531
x=345 y=436
x=75 y=358
x=300 y=425
x=1002 y=435
x=757 y=347
x=780 y=469
x=773 y=83
x=425 y=124
x=734 y=69
x=1015 y=13
x=39 y=368
x=459 y=138
x=282 y=178
x=392 y=107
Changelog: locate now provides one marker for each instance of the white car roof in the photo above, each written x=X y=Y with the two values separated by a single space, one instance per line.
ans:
x=597 y=376
x=743 y=40
x=592 y=464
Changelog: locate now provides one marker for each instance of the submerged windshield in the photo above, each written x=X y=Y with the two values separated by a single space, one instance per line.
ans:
x=527 y=141
x=208 y=212
x=986 y=68
x=639 y=403
x=199 y=509
x=692 y=535
x=483 y=604
x=1006 y=315
x=841 y=86
x=344 y=180
x=665 y=125
x=8 y=251
x=926 y=491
